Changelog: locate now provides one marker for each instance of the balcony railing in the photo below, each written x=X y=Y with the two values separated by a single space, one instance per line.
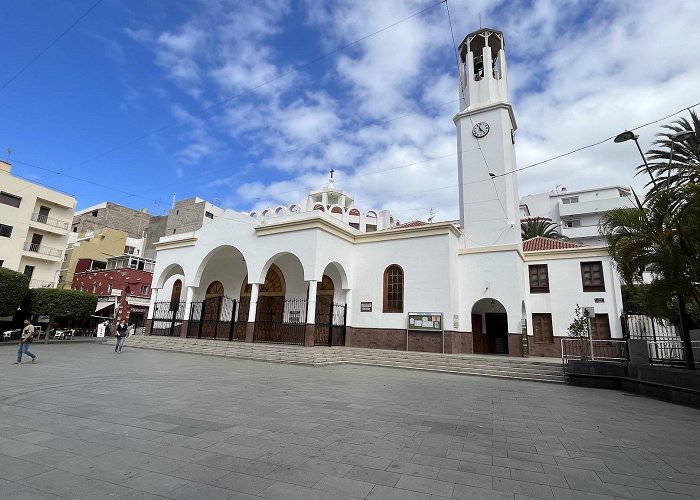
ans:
x=34 y=247
x=40 y=284
x=50 y=221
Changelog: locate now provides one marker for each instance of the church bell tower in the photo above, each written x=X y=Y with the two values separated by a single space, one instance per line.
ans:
x=489 y=211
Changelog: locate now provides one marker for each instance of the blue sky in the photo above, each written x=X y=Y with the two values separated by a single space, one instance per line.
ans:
x=235 y=102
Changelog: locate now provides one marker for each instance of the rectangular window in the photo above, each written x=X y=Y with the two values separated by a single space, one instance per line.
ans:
x=144 y=289
x=5 y=230
x=129 y=250
x=539 y=279
x=370 y=228
x=542 y=331
x=572 y=223
x=600 y=326
x=208 y=215
x=1 y=262
x=569 y=200
x=356 y=225
x=10 y=199
x=592 y=276
x=28 y=271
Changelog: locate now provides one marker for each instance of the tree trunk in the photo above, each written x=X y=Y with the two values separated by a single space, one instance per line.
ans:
x=48 y=330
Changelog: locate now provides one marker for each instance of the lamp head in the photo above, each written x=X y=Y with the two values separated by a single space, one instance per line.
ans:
x=626 y=136
x=682 y=136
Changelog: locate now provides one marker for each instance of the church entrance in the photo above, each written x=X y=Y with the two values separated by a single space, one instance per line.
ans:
x=489 y=327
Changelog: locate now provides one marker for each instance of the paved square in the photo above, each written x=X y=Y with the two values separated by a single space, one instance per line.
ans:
x=85 y=423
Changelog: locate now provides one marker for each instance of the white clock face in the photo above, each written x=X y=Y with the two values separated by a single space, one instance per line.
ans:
x=480 y=130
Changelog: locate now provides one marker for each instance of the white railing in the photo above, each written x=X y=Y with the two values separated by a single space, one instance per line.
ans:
x=593 y=350
x=50 y=221
x=40 y=284
x=35 y=247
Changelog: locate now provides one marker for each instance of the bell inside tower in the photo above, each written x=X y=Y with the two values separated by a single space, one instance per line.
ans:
x=474 y=47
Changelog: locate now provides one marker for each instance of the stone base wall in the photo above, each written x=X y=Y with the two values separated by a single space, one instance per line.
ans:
x=394 y=339
x=147 y=326
x=550 y=349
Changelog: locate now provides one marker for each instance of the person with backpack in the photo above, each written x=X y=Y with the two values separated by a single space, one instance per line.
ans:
x=25 y=342
x=121 y=335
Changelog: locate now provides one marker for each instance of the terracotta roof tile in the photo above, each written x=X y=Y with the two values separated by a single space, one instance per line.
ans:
x=413 y=223
x=540 y=243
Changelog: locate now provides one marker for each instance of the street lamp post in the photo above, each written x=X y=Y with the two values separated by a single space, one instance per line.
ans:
x=627 y=136
x=682 y=312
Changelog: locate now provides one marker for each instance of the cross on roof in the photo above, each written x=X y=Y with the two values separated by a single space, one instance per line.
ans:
x=332 y=173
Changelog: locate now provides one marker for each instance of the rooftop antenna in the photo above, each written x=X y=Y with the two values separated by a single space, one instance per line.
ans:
x=431 y=216
x=9 y=152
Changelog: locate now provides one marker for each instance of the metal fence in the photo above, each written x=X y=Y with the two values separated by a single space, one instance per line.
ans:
x=280 y=321
x=641 y=326
x=167 y=318
x=214 y=318
x=671 y=352
x=593 y=350
x=330 y=324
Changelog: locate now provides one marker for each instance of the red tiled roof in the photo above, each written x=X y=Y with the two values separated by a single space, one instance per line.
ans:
x=540 y=243
x=413 y=223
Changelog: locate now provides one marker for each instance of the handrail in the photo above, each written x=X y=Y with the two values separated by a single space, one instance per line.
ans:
x=34 y=247
x=50 y=221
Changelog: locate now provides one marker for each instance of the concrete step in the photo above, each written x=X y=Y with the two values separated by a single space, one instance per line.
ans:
x=490 y=366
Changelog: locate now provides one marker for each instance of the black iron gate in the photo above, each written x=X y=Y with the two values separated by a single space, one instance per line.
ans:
x=214 y=318
x=167 y=318
x=280 y=321
x=330 y=323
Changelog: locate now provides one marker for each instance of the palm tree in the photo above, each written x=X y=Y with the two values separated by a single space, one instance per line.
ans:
x=540 y=226
x=685 y=165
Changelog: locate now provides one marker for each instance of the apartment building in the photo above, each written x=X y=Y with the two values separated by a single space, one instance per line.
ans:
x=34 y=225
x=577 y=213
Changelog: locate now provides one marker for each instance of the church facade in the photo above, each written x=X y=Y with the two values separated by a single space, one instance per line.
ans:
x=324 y=272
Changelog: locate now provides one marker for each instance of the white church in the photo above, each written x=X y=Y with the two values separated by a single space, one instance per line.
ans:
x=324 y=272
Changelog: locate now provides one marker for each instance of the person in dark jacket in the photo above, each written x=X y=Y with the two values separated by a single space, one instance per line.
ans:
x=121 y=335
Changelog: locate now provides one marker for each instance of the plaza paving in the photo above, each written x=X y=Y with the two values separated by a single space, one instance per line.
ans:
x=85 y=423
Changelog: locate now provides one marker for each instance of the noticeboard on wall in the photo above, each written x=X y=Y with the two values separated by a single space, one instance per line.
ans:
x=425 y=321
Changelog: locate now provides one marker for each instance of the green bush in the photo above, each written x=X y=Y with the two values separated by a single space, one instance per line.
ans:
x=13 y=288
x=54 y=302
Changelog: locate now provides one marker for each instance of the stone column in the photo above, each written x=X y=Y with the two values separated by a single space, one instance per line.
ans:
x=188 y=308
x=310 y=332
x=250 y=327
x=151 y=311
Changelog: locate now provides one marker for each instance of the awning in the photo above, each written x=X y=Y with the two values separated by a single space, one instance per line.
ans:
x=103 y=304
x=138 y=301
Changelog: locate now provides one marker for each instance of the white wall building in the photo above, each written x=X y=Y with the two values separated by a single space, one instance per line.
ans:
x=478 y=282
x=34 y=225
x=577 y=213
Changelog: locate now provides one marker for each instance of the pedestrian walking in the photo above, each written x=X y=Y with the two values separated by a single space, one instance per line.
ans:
x=25 y=342
x=121 y=335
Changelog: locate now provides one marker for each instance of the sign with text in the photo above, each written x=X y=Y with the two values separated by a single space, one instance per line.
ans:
x=425 y=321
x=116 y=293
x=366 y=307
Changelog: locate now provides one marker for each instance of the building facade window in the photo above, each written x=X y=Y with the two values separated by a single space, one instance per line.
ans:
x=10 y=199
x=208 y=215
x=144 y=289
x=5 y=230
x=129 y=250
x=592 y=276
x=393 y=289
x=542 y=330
x=109 y=288
x=28 y=271
x=572 y=223
x=539 y=278
x=569 y=200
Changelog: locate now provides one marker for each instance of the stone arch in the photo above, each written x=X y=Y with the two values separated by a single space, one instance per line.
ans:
x=169 y=271
x=215 y=253
x=274 y=284
x=336 y=209
x=319 y=206
x=280 y=210
x=354 y=211
x=489 y=326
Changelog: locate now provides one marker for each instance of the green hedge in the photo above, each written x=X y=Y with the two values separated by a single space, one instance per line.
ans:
x=13 y=288
x=61 y=302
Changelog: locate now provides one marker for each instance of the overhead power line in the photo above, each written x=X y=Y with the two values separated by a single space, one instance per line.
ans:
x=53 y=42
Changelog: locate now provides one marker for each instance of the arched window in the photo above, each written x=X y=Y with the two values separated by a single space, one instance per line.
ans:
x=336 y=210
x=354 y=211
x=393 y=289
x=215 y=289
x=175 y=295
x=320 y=207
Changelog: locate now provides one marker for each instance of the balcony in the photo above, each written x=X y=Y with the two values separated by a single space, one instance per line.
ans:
x=597 y=206
x=40 y=284
x=55 y=225
x=43 y=250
